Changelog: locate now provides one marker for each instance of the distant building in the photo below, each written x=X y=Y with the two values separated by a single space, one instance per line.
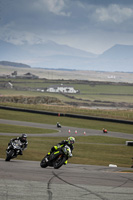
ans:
x=111 y=77
x=62 y=89
x=14 y=73
x=29 y=75
x=9 y=85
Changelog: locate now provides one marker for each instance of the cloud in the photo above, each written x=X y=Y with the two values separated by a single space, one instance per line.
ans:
x=56 y=7
x=19 y=38
x=114 y=13
x=91 y=25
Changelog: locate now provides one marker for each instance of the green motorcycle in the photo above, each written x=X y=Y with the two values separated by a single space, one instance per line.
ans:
x=57 y=158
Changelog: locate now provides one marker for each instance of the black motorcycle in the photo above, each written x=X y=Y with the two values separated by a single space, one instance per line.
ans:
x=57 y=158
x=58 y=125
x=13 y=150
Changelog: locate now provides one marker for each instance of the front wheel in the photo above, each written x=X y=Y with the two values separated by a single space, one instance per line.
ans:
x=59 y=162
x=43 y=163
x=9 y=156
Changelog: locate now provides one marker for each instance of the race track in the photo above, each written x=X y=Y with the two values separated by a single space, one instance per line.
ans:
x=26 y=180
x=63 y=132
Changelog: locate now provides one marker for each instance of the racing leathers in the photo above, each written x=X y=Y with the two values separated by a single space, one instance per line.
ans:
x=23 y=142
x=59 y=145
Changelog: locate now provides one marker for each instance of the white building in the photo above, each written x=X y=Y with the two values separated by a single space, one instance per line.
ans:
x=9 y=85
x=62 y=89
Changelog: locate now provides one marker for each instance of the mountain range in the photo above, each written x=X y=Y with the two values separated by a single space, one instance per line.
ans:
x=56 y=56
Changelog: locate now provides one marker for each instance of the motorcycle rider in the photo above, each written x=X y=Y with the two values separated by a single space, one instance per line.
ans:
x=58 y=125
x=105 y=130
x=23 y=140
x=70 y=141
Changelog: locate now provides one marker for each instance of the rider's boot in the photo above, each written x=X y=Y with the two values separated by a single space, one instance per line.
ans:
x=65 y=162
x=21 y=153
x=47 y=156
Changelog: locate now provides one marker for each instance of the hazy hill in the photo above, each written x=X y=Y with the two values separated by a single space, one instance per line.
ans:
x=117 y=58
x=53 y=55
x=47 y=55
x=14 y=64
x=119 y=52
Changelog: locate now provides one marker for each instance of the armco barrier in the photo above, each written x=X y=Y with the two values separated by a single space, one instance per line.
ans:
x=67 y=115
x=28 y=110
x=99 y=118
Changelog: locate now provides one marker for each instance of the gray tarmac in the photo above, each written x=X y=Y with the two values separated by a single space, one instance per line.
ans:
x=26 y=180
x=64 y=131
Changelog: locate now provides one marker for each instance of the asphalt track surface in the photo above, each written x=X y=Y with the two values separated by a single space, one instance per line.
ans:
x=26 y=180
x=62 y=132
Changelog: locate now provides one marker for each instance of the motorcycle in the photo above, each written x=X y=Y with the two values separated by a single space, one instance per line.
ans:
x=57 y=158
x=58 y=125
x=13 y=150
x=105 y=130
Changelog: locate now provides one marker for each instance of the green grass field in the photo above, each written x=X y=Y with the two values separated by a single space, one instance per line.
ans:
x=23 y=129
x=115 y=92
x=65 y=121
x=91 y=150
x=84 y=153
x=105 y=113
x=101 y=93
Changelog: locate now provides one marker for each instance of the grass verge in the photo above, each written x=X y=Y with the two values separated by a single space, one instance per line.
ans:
x=125 y=114
x=84 y=153
x=66 y=121
x=24 y=129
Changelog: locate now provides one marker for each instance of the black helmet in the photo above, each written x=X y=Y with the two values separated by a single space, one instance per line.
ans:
x=23 y=137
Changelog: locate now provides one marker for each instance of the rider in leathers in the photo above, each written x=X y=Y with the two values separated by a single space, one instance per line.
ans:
x=23 y=140
x=68 y=142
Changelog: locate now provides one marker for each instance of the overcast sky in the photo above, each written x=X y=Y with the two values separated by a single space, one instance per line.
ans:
x=91 y=25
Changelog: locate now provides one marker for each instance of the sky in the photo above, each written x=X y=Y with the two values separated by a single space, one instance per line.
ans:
x=90 y=25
